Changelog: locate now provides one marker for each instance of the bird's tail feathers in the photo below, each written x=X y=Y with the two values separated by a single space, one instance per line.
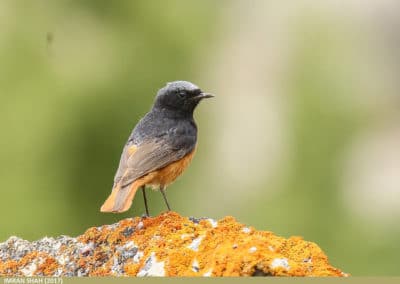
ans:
x=120 y=199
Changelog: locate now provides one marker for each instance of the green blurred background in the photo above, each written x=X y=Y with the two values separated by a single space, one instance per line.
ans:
x=303 y=137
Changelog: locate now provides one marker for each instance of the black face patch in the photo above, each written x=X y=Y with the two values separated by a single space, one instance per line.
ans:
x=179 y=96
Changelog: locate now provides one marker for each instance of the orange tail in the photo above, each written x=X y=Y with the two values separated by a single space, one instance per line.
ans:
x=120 y=199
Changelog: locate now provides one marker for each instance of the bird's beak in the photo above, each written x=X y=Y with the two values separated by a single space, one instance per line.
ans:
x=204 y=96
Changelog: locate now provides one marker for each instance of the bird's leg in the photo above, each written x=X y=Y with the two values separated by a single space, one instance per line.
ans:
x=145 y=200
x=162 y=189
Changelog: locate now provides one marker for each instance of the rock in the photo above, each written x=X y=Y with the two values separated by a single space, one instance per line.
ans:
x=166 y=245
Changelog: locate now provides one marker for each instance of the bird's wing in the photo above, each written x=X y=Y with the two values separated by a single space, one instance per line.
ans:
x=148 y=157
x=128 y=151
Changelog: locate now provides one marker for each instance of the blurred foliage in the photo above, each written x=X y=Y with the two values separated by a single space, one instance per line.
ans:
x=77 y=75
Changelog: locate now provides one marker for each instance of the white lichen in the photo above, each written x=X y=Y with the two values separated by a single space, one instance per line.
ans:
x=58 y=272
x=116 y=267
x=195 y=265
x=138 y=256
x=213 y=223
x=280 y=262
x=129 y=245
x=185 y=236
x=196 y=243
x=152 y=267
x=140 y=225
x=62 y=259
x=87 y=248
x=246 y=230
x=29 y=269
x=252 y=249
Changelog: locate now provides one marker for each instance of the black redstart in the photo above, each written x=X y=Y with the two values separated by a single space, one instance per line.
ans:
x=160 y=147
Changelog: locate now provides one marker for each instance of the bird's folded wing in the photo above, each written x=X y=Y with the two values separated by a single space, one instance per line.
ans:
x=137 y=161
x=128 y=151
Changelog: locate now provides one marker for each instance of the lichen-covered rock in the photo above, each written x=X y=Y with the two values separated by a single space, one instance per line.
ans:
x=166 y=245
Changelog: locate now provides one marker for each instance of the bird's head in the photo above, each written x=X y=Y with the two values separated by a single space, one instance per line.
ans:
x=180 y=96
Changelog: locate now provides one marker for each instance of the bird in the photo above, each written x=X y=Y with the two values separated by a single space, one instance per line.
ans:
x=160 y=147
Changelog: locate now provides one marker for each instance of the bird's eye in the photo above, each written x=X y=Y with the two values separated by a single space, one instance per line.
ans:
x=181 y=94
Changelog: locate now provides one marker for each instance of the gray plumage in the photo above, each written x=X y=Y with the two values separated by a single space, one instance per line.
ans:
x=164 y=135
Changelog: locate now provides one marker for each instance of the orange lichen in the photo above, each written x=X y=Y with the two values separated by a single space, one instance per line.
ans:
x=177 y=246
x=48 y=266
